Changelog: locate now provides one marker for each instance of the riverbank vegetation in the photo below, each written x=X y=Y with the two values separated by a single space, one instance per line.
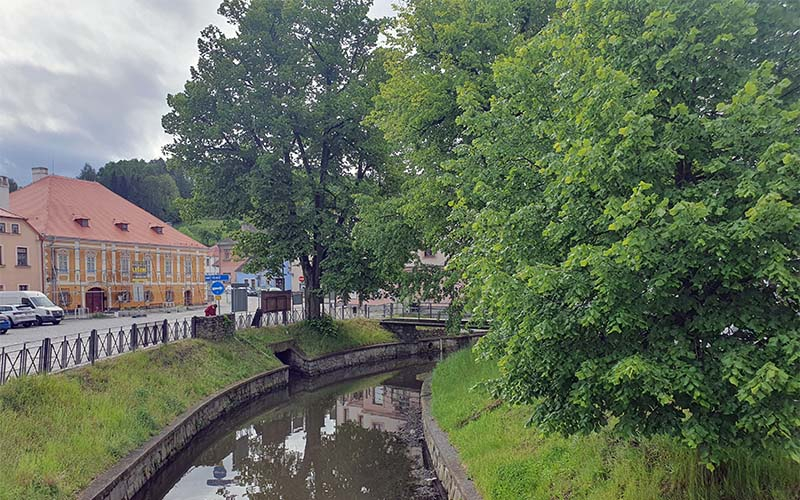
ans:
x=59 y=431
x=322 y=336
x=509 y=461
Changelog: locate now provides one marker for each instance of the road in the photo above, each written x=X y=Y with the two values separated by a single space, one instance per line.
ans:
x=72 y=327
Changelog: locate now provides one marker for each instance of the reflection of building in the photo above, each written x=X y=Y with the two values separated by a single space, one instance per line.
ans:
x=20 y=249
x=103 y=252
x=383 y=407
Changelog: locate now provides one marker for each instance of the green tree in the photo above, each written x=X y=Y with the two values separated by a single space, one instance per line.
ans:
x=148 y=184
x=634 y=200
x=12 y=185
x=440 y=64
x=88 y=173
x=269 y=129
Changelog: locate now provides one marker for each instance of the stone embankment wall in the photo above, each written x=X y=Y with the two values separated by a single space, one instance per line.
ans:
x=444 y=457
x=214 y=327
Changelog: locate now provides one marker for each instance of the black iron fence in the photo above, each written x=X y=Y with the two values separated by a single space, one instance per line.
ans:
x=56 y=354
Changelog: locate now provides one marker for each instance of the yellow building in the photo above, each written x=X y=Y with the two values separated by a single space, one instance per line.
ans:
x=102 y=252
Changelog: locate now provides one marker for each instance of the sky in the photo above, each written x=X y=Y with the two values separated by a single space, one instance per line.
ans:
x=86 y=81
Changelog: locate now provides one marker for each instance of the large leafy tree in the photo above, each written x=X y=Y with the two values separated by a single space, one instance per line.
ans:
x=148 y=184
x=269 y=127
x=637 y=237
x=439 y=65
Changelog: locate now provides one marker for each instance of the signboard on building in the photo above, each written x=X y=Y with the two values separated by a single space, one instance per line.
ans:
x=138 y=271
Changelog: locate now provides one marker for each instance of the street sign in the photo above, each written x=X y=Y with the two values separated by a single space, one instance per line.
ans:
x=217 y=288
x=218 y=277
x=217 y=297
x=301 y=279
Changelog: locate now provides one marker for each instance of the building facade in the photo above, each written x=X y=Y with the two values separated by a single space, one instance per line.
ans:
x=20 y=252
x=101 y=252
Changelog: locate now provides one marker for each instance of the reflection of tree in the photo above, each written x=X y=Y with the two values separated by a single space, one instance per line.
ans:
x=353 y=463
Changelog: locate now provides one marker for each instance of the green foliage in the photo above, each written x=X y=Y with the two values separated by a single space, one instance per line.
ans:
x=60 y=431
x=439 y=65
x=147 y=184
x=270 y=129
x=88 y=173
x=209 y=231
x=347 y=335
x=324 y=326
x=511 y=461
x=634 y=201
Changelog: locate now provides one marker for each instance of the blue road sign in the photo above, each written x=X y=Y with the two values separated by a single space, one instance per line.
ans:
x=217 y=288
x=218 y=277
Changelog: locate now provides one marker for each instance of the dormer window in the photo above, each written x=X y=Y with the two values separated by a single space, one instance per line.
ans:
x=158 y=229
x=122 y=225
x=82 y=221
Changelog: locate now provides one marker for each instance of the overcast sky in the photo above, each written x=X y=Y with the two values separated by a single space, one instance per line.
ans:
x=86 y=80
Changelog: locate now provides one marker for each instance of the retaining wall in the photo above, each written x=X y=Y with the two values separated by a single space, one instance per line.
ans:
x=444 y=457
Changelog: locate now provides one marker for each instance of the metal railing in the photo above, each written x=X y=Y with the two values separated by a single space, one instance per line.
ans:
x=55 y=354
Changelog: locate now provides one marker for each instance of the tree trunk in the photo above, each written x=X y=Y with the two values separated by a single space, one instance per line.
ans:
x=312 y=295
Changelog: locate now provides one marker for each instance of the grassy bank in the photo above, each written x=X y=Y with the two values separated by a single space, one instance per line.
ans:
x=348 y=334
x=509 y=461
x=58 y=432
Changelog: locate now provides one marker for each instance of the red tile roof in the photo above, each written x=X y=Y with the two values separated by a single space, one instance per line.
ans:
x=10 y=215
x=53 y=204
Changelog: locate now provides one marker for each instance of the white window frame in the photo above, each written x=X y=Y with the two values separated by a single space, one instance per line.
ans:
x=62 y=257
x=187 y=266
x=168 y=265
x=15 y=229
x=91 y=257
x=27 y=257
x=125 y=262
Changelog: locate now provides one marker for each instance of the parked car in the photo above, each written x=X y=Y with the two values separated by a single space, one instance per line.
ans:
x=44 y=310
x=5 y=324
x=252 y=292
x=19 y=315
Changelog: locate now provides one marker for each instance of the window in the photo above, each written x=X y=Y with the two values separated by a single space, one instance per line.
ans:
x=123 y=296
x=14 y=228
x=125 y=262
x=377 y=395
x=158 y=229
x=22 y=257
x=62 y=264
x=148 y=296
x=170 y=295
x=187 y=266
x=168 y=266
x=227 y=255
x=148 y=264
x=91 y=263
x=138 y=293
x=23 y=288
x=2 y=227
x=122 y=225
x=82 y=221
x=64 y=298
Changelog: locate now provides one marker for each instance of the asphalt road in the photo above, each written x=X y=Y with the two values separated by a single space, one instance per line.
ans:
x=75 y=326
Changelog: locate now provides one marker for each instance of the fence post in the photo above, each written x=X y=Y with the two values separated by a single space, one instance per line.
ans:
x=23 y=358
x=3 y=366
x=93 y=346
x=44 y=356
x=194 y=327
x=64 y=353
x=164 y=332
x=134 y=337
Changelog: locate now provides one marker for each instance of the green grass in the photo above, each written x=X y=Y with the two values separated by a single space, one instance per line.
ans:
x=60 y=431
x=350 y=334
x=509 y=461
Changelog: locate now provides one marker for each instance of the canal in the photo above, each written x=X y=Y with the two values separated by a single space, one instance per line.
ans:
x=355 y=440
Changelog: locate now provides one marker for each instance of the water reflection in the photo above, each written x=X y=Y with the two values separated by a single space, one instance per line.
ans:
x=340 y=443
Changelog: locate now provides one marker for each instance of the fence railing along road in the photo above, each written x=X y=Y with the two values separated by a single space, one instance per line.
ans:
x=52 y=355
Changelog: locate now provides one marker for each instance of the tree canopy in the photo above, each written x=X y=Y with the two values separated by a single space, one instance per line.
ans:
x=270 y=129
x=623 y=188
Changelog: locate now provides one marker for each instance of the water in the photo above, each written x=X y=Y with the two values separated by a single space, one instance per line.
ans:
x=357 y=440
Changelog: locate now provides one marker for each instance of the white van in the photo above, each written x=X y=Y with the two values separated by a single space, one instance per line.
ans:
x=46 y=311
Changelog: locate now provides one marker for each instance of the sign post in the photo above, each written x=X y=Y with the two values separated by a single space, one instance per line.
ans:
x=217 y=288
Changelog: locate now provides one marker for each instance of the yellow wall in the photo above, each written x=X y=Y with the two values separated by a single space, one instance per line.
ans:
x=69 y=287
x=11 y=275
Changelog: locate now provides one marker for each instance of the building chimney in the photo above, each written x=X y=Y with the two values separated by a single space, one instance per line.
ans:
x=4 y=193
x=39 y=173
